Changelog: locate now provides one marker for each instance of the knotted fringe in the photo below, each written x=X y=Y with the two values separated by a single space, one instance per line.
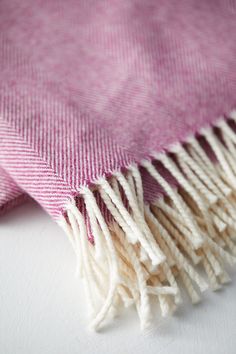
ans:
x=145 y=250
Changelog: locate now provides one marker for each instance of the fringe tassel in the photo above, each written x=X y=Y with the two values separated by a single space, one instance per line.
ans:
x=147 y=250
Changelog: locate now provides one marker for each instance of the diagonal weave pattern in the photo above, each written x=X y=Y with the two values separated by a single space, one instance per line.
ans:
x=117 y=117
x=10 y=194
x=87 y=88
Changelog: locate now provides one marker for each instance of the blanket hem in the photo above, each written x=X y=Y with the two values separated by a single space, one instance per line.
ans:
x=142 y=250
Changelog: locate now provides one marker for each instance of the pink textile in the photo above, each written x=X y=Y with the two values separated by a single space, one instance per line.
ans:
x=88 y=87
x=10 y=194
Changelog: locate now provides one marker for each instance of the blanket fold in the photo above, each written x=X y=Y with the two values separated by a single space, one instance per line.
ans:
x=11 y=195
x=118 y=118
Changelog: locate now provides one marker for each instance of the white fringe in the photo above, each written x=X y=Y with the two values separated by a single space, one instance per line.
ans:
x=147 y=249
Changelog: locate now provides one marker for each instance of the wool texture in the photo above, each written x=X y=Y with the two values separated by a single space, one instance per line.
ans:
x=10 y=194
x=118 y=118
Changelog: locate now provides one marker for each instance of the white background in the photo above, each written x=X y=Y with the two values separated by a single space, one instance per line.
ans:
x=43 y=309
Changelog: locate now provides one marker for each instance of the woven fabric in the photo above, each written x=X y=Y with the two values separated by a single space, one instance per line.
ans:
x=89 y=87
x=10 y=194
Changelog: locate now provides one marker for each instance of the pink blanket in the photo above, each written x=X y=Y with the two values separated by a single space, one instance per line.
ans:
x=117 y=117
x=10 y=194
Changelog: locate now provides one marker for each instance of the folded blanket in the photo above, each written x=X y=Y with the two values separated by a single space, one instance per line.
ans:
x=10 y=194
x=117 y=117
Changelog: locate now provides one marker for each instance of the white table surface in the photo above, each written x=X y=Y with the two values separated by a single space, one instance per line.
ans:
x=43 y=311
